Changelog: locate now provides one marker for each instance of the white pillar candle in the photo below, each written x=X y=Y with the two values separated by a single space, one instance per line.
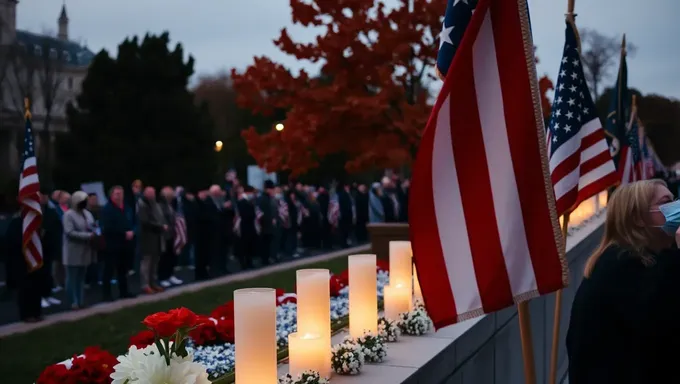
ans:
x=396 y=300
x=314 y=309
x=363 y=295
x=401 y=265
x=255 y=335
x=307 y=352
x=417 y=292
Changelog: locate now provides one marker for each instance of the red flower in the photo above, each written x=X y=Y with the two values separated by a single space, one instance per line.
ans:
x=94 y=367
x=336 y=285
x=284 y=300
x=280 y=292
x=204 y=334
x=225 y=330
x=166 y=324
x=143 y=339
x=54 y=374
x=343 y=277
x=224 y=311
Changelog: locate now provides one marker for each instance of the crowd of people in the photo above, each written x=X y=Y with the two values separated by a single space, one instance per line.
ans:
x=140 y=234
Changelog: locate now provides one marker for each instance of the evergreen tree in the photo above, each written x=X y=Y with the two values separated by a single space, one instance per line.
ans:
x=136 y=118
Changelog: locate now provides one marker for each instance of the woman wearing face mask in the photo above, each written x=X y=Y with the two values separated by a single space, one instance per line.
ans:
x=79 y=246
x=623 y=322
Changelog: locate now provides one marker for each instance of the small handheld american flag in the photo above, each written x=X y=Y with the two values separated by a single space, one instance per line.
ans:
x=283 y=213
x=180 y=240
x=580 y=162
x=333 y=212
x=29 y=199
x=258 y=219
x=631 y=161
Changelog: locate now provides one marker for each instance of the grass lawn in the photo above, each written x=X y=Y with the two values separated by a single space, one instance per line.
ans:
x=25 y=355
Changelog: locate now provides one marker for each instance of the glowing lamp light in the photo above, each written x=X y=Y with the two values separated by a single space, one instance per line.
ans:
x=218 y=145
x=279 y=127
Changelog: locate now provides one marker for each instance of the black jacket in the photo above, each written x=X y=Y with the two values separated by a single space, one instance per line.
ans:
x=623 y=326
x=114 y=223
x=264 y=202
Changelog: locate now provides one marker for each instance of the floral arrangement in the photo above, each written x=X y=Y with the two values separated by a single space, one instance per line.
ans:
x=167 y=359
x=94 y=366
x=414 y=323
x=306 y=377
x=388 y=330
x=210 y=341
x=373 y=347
x=347 y=357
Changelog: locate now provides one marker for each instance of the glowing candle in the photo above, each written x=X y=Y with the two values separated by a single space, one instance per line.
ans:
x=314 y=310
x=417 y=292
x=401 y=265
x=255 y=335
x=307 y=352
x=363 y=295
x=396 y=300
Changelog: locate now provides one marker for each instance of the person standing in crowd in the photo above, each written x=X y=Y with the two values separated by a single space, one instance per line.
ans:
x=5 y=219
x=290 y=232
x=131 y=208
x=28 y=283
x=361 y=201
x=189 y=206
x=267 y=205
x=118 y=236
x=311 y=222
x=215 y=211
x=51 y=234
x=347 y=214
x=94 y=270
x=204 y=235
x=152 y=244
x=325 y=229
x=80 y=242
x=166 y=266
x=246 y=239
x=61 y=201
x=376 y=209
x=391 y=211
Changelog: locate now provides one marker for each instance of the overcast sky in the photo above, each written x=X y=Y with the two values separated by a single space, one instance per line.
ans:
x=222 y=34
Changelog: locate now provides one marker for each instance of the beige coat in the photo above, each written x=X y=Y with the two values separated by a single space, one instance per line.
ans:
x=78 y=230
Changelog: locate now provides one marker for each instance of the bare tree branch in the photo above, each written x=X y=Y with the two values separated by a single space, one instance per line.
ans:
x=600 y=54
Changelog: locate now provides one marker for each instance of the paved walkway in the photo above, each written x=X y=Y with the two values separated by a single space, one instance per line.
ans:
x=16 y=328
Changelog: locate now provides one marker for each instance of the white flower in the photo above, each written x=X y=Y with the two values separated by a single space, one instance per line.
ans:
x=148 y=366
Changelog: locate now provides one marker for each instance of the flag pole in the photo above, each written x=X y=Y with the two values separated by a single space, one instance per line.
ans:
x=557 y=313
x=527 y=342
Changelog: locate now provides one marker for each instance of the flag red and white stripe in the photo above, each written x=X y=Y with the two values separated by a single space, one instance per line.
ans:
x=484 y=228
x=29 y=199
x=180 y=234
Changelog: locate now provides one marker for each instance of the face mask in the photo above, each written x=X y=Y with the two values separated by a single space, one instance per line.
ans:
x=278 y=195
x=671 y=212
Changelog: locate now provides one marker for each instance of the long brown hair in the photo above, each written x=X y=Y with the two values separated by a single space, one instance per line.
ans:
x=623 y=225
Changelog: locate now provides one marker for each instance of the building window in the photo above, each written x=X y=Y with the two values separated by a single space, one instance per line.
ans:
x=67 y=56
x=69 y=82
x=53 y=53
x=37 y=50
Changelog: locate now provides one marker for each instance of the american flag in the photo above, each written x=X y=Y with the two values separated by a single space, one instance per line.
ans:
x=29 y=199
x=258 y=217
x=631 y=161
x=237 y=224
x=333 y=212
x=484 y=228
x=648 y=167
x=180 y=229
x=283 y=213
x=581 y=165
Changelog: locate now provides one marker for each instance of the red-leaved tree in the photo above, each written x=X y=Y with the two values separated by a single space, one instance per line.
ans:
x=371 y=101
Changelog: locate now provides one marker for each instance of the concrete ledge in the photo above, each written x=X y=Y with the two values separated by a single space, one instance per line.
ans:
x=61 y=317
x=486 y=349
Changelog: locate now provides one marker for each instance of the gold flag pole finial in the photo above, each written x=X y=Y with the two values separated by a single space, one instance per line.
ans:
x=27 y=108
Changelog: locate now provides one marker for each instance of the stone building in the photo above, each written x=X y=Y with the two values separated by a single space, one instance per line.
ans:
x=45 y=68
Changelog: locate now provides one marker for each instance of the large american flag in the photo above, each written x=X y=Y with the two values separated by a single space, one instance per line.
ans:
x=580 y=162
x=631 y=161
x=29 y=199
x=484 y=228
